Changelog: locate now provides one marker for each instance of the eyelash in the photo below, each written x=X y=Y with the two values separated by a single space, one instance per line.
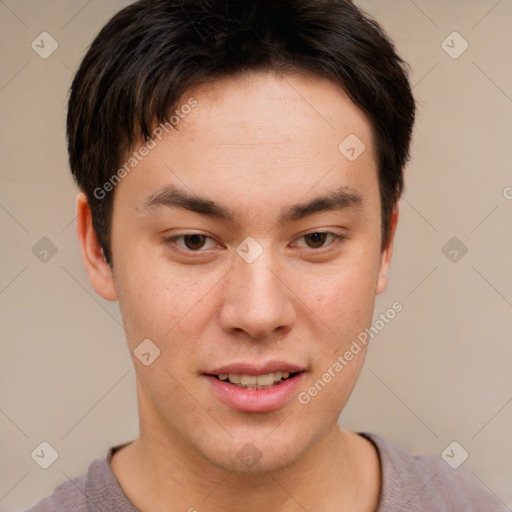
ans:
x=337 y=240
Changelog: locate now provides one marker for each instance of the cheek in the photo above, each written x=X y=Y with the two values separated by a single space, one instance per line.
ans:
x=162 y=303
x=328 y=389
x=343 y=297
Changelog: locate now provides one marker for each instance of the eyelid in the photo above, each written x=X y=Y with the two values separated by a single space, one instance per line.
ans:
x=336 y=240
x=172 y=239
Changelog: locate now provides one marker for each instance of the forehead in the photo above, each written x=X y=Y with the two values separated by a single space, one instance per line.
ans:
x=261 y=135
x=267 y=108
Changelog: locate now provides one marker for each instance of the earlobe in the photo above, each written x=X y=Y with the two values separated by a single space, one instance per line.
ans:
x=386 y=254
x=99 y=271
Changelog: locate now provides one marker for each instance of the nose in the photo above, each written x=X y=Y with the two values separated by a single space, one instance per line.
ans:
x=257 y=300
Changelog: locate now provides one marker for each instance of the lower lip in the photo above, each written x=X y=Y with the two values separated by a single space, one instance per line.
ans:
x=255 y=400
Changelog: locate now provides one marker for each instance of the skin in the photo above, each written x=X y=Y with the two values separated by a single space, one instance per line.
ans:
x=256 y=143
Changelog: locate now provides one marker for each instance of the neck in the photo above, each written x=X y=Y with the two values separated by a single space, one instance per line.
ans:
x=160 y=474
x=163 y=471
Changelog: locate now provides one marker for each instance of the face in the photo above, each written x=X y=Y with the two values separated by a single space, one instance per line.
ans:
x=252 y=277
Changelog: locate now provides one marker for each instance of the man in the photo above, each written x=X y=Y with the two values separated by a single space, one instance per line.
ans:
x=240 y=165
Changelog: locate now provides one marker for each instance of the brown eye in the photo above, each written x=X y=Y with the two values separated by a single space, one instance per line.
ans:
x=194 y=241
x=190 y=242
x=317 y=239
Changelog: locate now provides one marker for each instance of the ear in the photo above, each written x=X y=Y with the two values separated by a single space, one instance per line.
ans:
x=387 y=252
x=99 y=271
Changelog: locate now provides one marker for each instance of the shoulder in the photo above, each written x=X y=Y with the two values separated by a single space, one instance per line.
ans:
x=74 y=494
x=425 y=482
x=67 y=496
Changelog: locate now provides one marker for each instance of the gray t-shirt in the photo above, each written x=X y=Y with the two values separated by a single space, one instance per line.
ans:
x=409 y=484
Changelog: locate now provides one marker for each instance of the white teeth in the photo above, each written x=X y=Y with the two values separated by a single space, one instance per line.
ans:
x=248 y=379
x=265 y=380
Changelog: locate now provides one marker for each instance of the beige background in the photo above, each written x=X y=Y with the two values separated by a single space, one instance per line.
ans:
x=439 y=372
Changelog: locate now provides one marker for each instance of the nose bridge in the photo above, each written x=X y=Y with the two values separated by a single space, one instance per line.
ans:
x=257 y=301
x=261 y=283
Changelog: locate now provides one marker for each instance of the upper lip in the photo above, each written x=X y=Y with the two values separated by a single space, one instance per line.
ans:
x=256 y=369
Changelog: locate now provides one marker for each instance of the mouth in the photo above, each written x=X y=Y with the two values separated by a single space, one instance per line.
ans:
x=255 y=388
x=261 y=381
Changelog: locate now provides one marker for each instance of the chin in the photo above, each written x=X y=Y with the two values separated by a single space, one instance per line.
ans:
x=258 y=455
x=253 y=463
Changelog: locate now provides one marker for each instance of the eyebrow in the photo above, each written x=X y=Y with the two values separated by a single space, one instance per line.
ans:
x=173 y=197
